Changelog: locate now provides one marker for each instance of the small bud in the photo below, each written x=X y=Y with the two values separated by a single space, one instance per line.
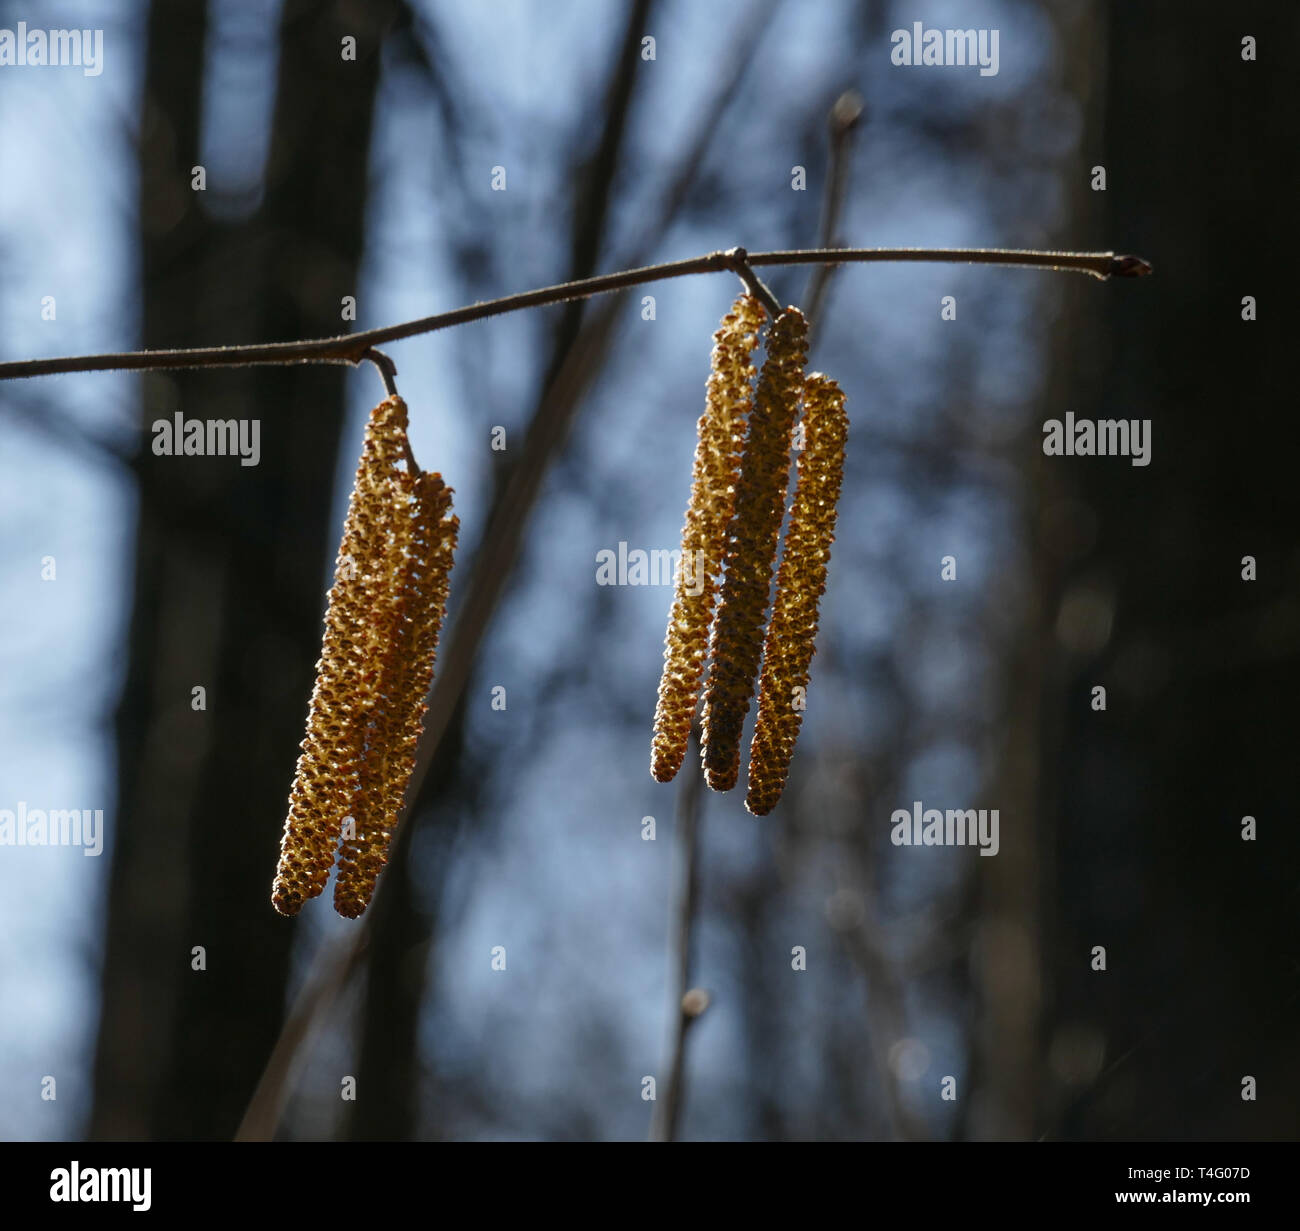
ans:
x=694 y=1003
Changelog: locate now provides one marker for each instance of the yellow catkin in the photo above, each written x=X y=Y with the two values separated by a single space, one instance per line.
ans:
x=800 y=583
x=737 y=642
x=408 y=625
x=717 y=460
x=333 y=749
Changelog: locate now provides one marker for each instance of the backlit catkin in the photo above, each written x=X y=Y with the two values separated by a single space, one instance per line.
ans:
x=717 y=460
x=381 y=625
x=737 y=641
x=326 y=777
x=800 y=583
x=424 y=543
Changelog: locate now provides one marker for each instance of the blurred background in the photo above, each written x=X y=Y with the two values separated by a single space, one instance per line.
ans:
x=372 y=178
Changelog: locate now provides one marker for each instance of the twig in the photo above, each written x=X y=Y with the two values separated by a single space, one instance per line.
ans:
x=757 y=287
x=687 y=1004
x=331 y=970
x=842 y=122
x=353 y=348
x=388 y=372
x=886 y=1011
x=387 y=369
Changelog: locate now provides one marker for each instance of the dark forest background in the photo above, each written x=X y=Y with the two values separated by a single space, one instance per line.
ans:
x=1120 y=829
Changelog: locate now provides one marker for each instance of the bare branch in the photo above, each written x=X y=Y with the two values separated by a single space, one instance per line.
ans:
x=353 y=348
x=688 y=1003
x=844 y=118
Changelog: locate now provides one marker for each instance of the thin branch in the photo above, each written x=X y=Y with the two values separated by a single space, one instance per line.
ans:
x=757 y=287
x=688 y=1003
x=1102 y=265
x=388 y=371
x=886 y=1006
x=353 y=348
x=330 y=972
x=842 y=123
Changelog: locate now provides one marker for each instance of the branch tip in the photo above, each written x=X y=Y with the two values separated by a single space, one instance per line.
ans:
x=1129 y=267
x=845 y=113
x=694 y=1003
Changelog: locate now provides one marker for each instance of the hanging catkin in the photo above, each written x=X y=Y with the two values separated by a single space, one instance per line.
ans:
x=717 y=459
x=737 y=641
x=424 y=542
x=381 y=627
x=800 y=583
x=325 y=782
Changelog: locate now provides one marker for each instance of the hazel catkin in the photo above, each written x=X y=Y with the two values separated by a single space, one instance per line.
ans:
x=411 y=619
x=332 y=751
x=381 y=630
x=737 y=641
x=800 y=583
x=708 y=514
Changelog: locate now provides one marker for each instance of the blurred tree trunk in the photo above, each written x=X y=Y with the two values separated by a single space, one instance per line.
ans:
x=1016 y=893
x=1200 y=666
x=229 y=581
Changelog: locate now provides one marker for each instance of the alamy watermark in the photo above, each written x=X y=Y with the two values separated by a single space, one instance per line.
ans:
x=182 y=437
x=1073 y=437
x=946 y=48
x=657 y=567
x=83 y=827
x=24 y=48
x=956 y=827
x=131 y=1185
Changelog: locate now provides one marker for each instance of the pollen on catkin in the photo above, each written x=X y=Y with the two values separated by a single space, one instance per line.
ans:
x=332 y=750
x=717 y=460
x=800 y=583
x=396 y=550
x=737 y=641
x=424 y=543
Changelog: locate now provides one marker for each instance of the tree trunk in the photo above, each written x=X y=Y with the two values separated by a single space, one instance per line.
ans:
x=1199 y=665
x=229 y=575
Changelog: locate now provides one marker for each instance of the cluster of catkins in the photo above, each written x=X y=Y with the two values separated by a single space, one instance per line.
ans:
x=729 y=550
x=389 y=597
x=385 y=611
